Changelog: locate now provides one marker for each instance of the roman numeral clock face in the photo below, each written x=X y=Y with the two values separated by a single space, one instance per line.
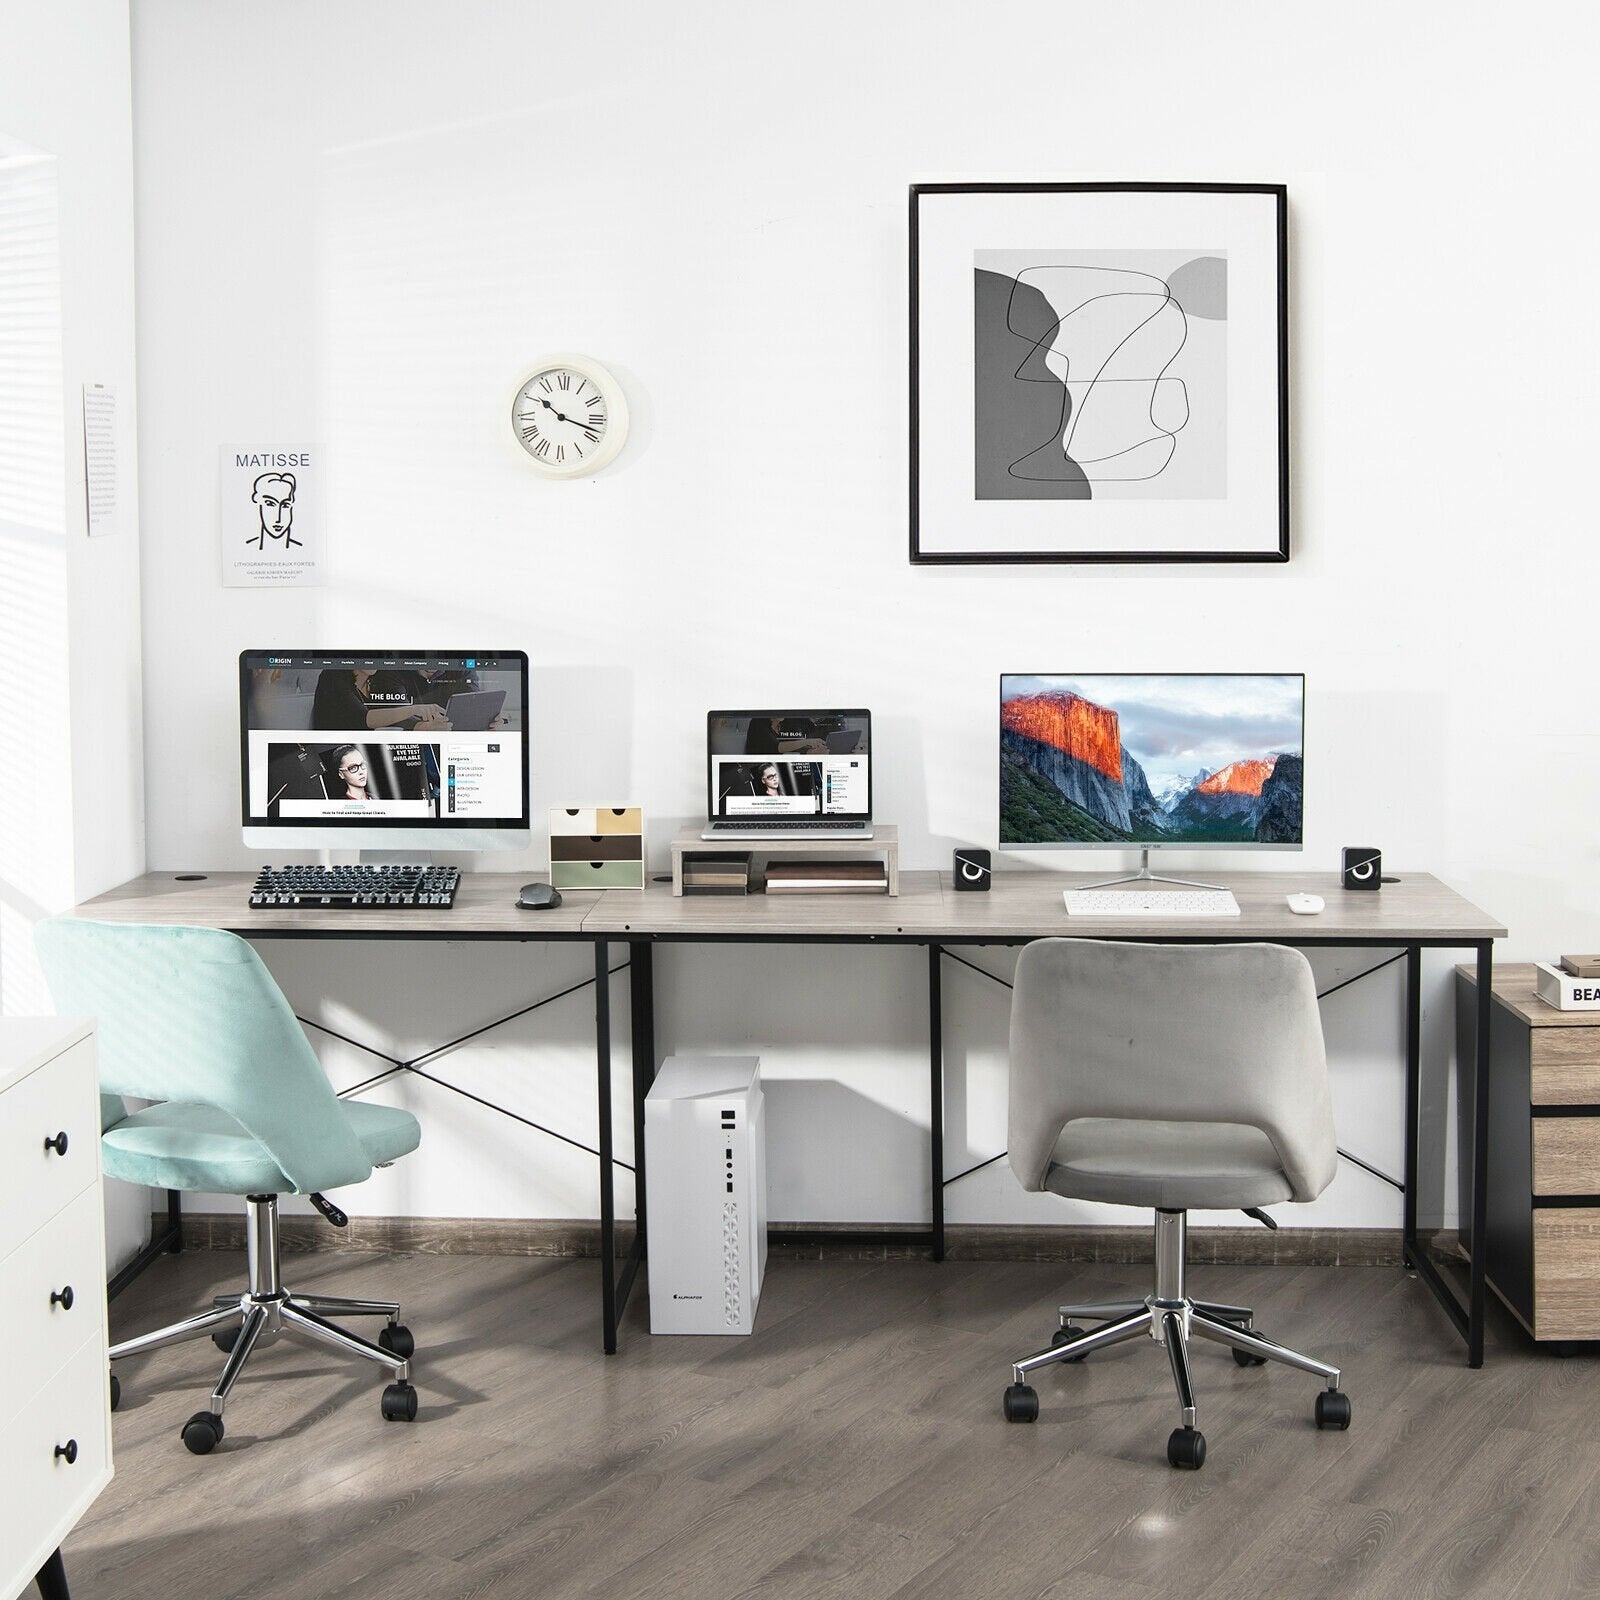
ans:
x=570 y=417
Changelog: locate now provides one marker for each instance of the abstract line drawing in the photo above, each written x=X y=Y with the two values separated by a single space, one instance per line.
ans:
x=1087 y=370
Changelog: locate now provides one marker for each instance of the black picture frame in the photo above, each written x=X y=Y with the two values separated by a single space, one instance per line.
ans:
x=979 y=254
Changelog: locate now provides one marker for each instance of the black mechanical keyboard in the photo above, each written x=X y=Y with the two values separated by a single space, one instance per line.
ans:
x=356 y=888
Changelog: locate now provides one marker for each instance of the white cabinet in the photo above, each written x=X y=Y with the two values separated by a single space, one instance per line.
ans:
x=55 y=1411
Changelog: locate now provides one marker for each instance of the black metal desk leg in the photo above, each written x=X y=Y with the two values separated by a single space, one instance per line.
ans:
x=174 y=1221
x=1408 y=1225
x=642 y=1021
x=936 y=1094
x=608 y=1205
x=1482 y=1066
x=52 y=1579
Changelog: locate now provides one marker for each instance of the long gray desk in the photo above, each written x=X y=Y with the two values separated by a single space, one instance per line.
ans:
x=1412 y=915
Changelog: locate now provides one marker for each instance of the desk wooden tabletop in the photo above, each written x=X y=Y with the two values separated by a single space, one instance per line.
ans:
x=1021 y=905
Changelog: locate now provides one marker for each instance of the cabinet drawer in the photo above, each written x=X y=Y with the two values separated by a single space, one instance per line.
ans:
x=1566 y=1155
x=45 y=1494
x=1566 y=1274
x=37 y=1334
x=573 y=819
x=597 y=874
x=1565 y=1066
x=619 y=819
x=36 y=1181
x=596 y=847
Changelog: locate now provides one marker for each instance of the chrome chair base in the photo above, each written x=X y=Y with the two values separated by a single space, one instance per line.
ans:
x=267 y=1310
x=1171 y=1318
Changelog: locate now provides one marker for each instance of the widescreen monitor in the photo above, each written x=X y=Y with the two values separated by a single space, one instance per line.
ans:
x=1152 y=760
x=384 y=751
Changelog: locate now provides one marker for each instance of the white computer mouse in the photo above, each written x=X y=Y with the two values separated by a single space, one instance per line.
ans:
x=1305 y=905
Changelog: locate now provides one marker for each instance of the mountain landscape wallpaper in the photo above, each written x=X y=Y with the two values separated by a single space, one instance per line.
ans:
x=1152 y=759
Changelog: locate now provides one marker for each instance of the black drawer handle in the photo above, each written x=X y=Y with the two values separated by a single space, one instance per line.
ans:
x=64 y=1299
x=58 y=1144
x=69 y=1450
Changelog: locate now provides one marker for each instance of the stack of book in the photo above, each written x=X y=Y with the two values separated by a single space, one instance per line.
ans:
x=827 y=877
x=1574 y=985
x=719 y=872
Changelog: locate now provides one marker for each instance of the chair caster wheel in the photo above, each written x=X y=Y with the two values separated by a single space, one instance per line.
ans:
x=1062 y=1336
x=226 y=1338
x=202 y=1433
x=396 y=1339
x=116 y=1391
x=1186 y=1447
x=1021 y=1403
x=399 y=1403
x=1243 y=1358
x=1333 y=1409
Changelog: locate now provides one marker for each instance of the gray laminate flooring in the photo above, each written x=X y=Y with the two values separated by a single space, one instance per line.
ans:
x=853 y=1447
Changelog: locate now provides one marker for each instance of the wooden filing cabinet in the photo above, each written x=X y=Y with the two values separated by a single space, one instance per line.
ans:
x=55 y=1412
x=1543 y=1236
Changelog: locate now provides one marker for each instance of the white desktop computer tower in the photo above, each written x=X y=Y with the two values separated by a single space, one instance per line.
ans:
x=706 y=1191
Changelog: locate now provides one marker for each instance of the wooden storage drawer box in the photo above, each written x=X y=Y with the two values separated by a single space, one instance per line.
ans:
x=1542 y=1251
x=597 y=847
x=56 y=1390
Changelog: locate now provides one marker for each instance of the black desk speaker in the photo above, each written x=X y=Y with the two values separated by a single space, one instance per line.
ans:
x=970 y=869
x=1362 y=867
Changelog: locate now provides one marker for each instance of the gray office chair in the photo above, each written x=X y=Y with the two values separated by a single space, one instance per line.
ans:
x=1170 y=1076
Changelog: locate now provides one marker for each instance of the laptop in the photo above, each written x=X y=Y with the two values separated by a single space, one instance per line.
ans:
x=788 y=775
x=474 y=710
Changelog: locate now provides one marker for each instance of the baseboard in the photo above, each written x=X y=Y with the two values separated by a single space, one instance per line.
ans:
x=495 y=1236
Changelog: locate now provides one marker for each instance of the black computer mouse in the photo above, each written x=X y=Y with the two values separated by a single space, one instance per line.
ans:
x=538 y=897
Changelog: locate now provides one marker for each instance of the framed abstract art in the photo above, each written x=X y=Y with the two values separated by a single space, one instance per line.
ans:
x=1099 y=372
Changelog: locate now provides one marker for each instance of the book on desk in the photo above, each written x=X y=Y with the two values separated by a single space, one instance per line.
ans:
x=827 y=877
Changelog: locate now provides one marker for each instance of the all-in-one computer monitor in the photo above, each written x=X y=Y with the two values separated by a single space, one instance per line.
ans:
x=1152 y=761
x=384 y=751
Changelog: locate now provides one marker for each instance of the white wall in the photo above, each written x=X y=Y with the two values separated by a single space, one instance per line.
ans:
x=72 y=811
x=359 y=224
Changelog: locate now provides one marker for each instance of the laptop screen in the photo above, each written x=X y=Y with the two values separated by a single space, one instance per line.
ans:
x=776 y=764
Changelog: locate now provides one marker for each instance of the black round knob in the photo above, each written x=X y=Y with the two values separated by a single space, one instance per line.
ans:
x=63 y=1299
x=69 y=1450
x=58 y=1144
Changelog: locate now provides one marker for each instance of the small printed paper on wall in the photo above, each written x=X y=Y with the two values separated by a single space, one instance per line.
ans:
x=268 y=516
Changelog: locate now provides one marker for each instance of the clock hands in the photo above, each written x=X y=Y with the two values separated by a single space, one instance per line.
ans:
x=560 y=416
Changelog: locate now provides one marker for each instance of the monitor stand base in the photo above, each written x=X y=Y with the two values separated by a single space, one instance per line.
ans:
x=378 y=858
x=1145 y=875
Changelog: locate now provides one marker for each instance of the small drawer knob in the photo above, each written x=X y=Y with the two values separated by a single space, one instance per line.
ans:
x=69 y=1450
x=58 y=1144
x=63 y=1298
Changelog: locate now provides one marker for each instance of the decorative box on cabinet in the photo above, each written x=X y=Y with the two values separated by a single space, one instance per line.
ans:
x=597 y=847
x=55 y=1408
x=1543 y=1235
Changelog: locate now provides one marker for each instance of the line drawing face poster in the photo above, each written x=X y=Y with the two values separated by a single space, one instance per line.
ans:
x=267 y=517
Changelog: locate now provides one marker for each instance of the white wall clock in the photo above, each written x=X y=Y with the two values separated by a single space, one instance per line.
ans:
x=569 y=416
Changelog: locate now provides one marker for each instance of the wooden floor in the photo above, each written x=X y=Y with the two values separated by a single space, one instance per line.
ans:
x=853 y=1446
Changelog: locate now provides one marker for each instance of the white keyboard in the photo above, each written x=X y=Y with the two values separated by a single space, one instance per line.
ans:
x=1150 y=903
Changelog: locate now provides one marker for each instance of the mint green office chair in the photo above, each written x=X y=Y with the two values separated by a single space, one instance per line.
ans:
x=190 y=1018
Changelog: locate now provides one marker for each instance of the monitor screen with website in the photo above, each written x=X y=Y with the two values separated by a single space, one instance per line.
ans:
x=775 y=764
x=384 y=749
x=1152 y=759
